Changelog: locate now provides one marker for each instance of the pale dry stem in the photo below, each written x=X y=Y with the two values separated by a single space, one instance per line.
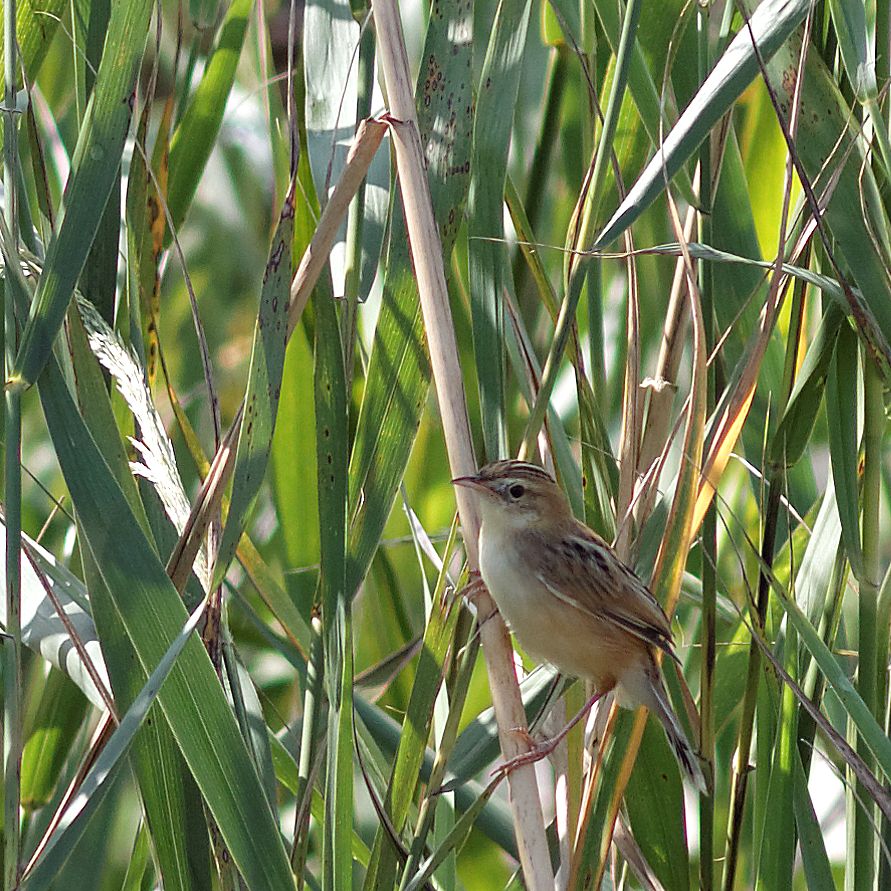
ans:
x=428 y=265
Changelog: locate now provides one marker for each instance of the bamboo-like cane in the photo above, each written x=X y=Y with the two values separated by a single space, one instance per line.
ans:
x=428 y=264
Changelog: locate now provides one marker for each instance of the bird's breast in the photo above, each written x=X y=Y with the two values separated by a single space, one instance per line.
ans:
x=550 y=630
x=510 y=582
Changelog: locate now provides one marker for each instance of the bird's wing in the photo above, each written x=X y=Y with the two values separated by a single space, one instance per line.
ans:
x=590 y=577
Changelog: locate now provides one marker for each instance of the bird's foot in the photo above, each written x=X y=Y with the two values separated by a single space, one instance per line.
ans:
x=475 y=585
x=537 y=751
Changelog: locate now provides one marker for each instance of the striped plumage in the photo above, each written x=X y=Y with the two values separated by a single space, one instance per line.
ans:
x=568 y=598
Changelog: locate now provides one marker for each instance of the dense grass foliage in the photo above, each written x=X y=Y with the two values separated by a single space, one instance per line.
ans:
x=272 y=277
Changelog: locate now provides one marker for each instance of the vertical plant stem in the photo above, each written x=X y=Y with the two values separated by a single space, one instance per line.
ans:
x=12 y=420
x=771 y=514
x=741 y=768
x=883 y=644
x=873 y=428
x=710 y=522
x=768 y=541
x=428 y=262
x=883 y=74
x=584 y=232
x=883 y=623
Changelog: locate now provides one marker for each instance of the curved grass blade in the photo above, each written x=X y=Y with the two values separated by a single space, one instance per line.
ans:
x=95 y=169
x=477 y=746
x=867 y=726
x=50 y=739
x=42 y=629
x=647 y=102
x=849 y=21
x=415 y=730
x=830 y=154
x=76 y=818
x=774 y=795
x=330 y=39
x=797 y=422
x=495 y=820
x=772 y=23
x=854 y=705
x=172 y=805
x=263 y=388
x=698 y=251
x=152 y=613
x=817 y=869
x=139 y=861
x=655 y=800
x=681 y=526
x=453 y=841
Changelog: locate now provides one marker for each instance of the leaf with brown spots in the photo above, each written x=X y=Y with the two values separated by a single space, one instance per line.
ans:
x=263 y=388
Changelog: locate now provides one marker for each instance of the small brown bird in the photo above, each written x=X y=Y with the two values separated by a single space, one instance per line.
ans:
x=569 y=599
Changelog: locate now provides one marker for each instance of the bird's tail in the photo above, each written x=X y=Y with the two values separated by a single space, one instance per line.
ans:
x=683 y=751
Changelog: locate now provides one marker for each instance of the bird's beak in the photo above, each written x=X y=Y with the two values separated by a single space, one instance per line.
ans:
x=471 y=482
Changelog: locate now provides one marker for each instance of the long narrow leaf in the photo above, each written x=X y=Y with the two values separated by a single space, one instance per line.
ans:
x=95 y=785
x=152 y=613
x=263 y=389
x=94 y=172
x=771 y=25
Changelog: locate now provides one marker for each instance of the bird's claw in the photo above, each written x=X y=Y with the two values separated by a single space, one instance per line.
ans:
x=537 y=751
x=475 y=585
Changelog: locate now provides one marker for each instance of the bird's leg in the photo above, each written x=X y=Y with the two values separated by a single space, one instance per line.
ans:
x=474 y=586
x=539 y=750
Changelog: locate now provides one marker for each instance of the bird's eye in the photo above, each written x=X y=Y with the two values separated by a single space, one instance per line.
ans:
x=516 y=491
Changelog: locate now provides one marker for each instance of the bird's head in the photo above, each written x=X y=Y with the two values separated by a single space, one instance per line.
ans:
x=517 y=494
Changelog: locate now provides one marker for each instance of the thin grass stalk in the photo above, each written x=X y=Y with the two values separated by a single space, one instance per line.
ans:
x=873 y=430
x=356 y=218
x=709 y=544
x=815 y=682
x=446 y=716
x=741 y=768
x=428 y=261
x=768 y=540
x=12 y=422
x=883 y=623
x=535 y=268
x=883 y=619
x=664 y=383
x=632 y=411
x=584 y=223
x=365 y=145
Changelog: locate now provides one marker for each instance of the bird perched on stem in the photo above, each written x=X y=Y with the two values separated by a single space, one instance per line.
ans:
x=570 y=600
